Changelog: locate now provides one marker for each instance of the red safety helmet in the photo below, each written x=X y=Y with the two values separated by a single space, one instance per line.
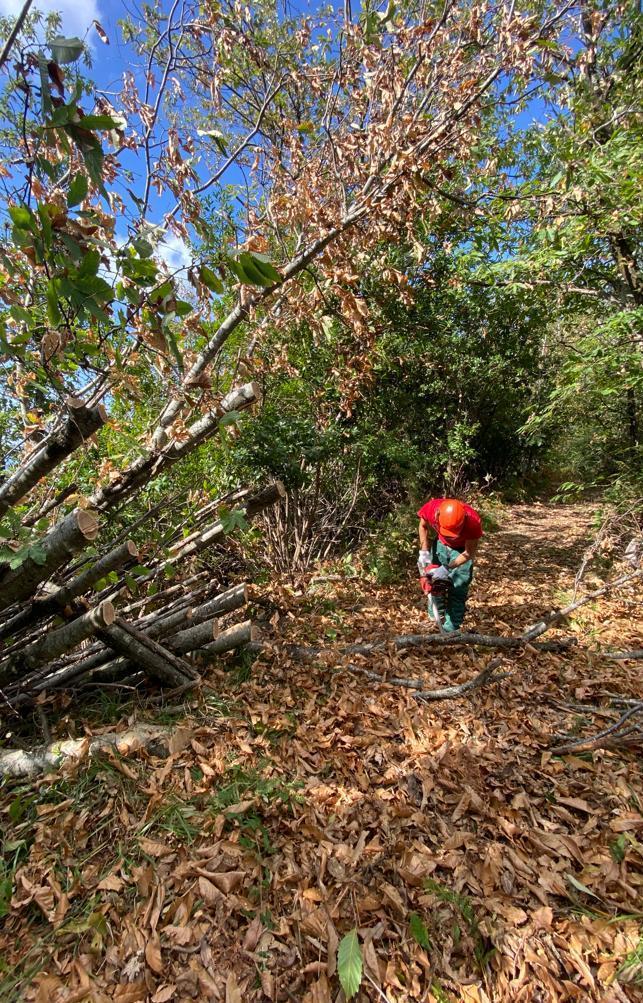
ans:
x=451 y=518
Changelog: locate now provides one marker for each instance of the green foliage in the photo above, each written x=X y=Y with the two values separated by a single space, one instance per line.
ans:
x=418 y=930
x=631 y=970
x=349 y=964
x=482 y=949
x=389 y=548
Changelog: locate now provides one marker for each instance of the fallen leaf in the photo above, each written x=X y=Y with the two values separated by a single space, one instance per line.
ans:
x=232 y=991
x=227 y=881
x=153 y=954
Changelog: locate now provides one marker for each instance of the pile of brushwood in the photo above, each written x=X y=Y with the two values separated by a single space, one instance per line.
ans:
x=67 y=615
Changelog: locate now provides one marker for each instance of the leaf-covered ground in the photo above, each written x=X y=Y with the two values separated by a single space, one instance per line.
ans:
x=303 y=801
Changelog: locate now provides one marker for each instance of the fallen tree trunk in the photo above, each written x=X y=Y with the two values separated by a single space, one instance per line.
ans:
x=29 y=762
x=57 y=600
x=80 y=423
x=66 y=538
x=56 y=642
x=226 y=602
x=162 y=664
x=404 y=641
x=213 y=533
x=236 y=636
x=444 y=693
x=164 y=455
x=194 y=637
x=560 y=614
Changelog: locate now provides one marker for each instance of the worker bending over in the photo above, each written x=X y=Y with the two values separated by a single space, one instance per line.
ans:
x=449 y=535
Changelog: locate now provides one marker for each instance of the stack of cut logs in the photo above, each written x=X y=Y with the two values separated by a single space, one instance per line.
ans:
x=67 y=622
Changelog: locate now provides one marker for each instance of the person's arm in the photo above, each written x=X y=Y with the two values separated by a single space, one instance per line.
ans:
x=424 y=531
x=468 y=554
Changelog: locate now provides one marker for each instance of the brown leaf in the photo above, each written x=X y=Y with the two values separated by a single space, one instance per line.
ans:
x=253 y=933
x=102 y=34
x=232 y=991
x=153 y=954
x=179 y=741
x=228 y=880
x=208 y=892
x=111 y=883
x=164 y=994
x=543 y=918
x=154 y=848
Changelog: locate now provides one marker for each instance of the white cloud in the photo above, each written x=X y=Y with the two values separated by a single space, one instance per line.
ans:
x=77 y=15
x=174 y=252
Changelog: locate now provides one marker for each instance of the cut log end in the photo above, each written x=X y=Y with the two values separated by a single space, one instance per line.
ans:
x=87 y=523
x=106 y=614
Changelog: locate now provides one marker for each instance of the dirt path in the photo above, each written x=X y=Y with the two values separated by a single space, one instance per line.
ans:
x=303 y=801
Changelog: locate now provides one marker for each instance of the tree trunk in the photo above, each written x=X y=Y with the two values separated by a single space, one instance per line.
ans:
x=147 y=654
x=79 y=425
x=211 y=534
x=234 y=598
x=41 y=608
x=234 y=637
x=194 y=637
x=165 y=454
x=56 y=642
x=62 y=542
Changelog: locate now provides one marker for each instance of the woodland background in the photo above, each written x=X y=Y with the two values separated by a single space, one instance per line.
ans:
x=298 y=269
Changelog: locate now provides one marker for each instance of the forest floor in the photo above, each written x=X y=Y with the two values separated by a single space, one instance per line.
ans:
x=301 y=800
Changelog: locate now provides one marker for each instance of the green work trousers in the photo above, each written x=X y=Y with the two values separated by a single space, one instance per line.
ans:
x=453 y=608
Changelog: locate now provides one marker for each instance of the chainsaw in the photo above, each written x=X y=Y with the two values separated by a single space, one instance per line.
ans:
x=433 y=585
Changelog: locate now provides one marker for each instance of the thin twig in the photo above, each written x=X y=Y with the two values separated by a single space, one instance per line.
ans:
x=8 y=45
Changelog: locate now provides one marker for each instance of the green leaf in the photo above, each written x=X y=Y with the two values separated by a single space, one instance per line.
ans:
x=172 y=344
x=20 y=216
x=182 y=308
x=230 y=418
x=216 y=136
x=349 y=964
x=66 y=50
x=210 y=280
x=249 y=273
x=233 y=519
x=143 y=247
x=19 y=313
x=45 y=91
x=618 y=848
x=37 y=554
x=77 y=190
x=53 y=310
x=419 y=931
x=264 y=266
x=579 y=886
x=89 y=264
x=99 y=122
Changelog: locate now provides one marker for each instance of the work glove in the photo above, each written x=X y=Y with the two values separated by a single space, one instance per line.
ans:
x=440 y=580
x=424 y=559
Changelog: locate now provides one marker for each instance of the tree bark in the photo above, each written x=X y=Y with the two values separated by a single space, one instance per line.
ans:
x=194 y=637
x=66 y=538
x=226 y=602
x=165 y=455
x=234 y=637
x=41 y=608
x=56 y=642
x=147 y=654
x=29 y=762
x=80 y=424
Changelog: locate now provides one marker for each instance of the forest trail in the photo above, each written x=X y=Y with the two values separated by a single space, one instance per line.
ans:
x=301 y=800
